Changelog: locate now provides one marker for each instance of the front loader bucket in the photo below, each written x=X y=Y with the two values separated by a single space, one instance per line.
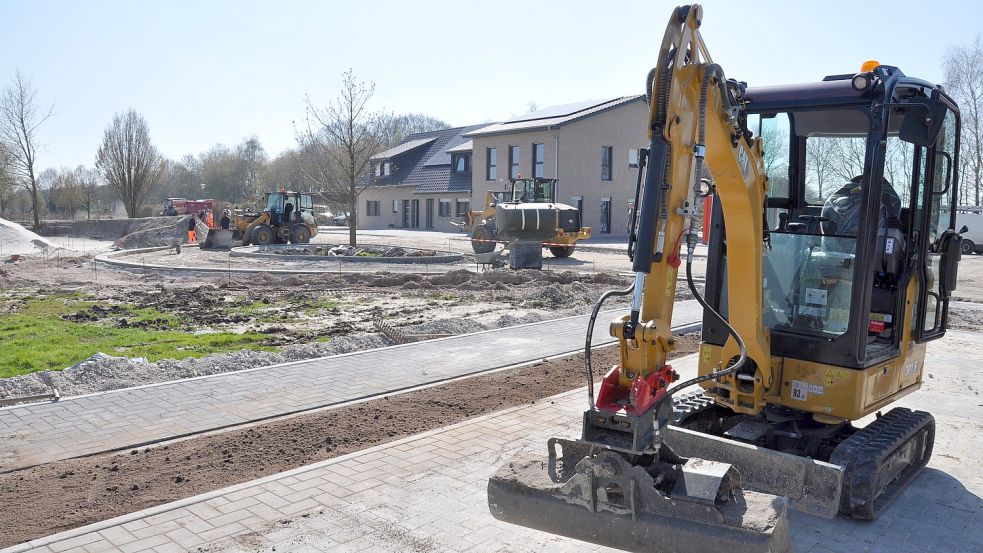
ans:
x=607 y=501
x=811 y=486
x=218 y=239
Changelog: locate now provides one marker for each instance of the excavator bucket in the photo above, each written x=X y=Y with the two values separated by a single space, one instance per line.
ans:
x=218 y=239
x=672 y=505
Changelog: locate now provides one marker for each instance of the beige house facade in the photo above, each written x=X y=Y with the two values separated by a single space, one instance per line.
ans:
x=422 y=183
x=591 y=149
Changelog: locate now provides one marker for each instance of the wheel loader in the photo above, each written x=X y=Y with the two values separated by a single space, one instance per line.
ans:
x=821 y=295
x=526 y=210
x=286 y=217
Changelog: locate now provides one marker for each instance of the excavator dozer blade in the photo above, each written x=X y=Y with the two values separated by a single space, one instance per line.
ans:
x=609 y=502
x=218 y=239
x=811 y=486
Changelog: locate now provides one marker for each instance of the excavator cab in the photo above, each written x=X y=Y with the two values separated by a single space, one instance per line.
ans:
x=859 y=179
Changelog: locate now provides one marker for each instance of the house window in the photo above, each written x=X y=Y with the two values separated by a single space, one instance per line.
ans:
x=372 y=208
x=385 y=168
x=538 y=152
x=492 y=167
x=378 y=170
x=395 y=206
x=607 y=153
x=633 y=157
x=463 y=206
x=513 y=162
x=459 y=163
x=445 y=208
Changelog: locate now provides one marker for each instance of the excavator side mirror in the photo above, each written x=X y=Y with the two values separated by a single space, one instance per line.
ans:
x=922 y=122
x=950 y=247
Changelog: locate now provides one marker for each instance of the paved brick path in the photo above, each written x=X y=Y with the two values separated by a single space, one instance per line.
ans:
x=83 y=425
x=427 y=492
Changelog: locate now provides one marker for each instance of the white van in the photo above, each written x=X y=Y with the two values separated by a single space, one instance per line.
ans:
x=970 y=217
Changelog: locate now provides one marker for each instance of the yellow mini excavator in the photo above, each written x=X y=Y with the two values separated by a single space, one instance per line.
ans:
x=831 y=261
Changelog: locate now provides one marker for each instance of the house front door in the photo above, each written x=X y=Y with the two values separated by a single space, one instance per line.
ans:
x=429 y=212
x=406 y=214
x=416 y=213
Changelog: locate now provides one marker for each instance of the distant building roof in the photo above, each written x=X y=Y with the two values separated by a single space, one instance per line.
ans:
x=403 y=147
x=462 y=148
x=423 y=160
x=554 y=116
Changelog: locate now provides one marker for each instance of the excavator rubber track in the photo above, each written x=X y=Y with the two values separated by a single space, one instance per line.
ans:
x=881 y=459
x=864 y=473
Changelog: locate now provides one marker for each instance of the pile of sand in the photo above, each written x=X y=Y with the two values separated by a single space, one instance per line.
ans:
x=17 y=240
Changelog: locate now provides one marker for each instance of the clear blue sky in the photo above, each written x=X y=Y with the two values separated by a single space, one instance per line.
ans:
x=210 y=72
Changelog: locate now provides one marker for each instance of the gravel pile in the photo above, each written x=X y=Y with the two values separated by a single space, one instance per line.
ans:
x=112 y=373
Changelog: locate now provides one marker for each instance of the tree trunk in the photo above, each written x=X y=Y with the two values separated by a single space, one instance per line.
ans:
x=35 y=205
x=353 y=221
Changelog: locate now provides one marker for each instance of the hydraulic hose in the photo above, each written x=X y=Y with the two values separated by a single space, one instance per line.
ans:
x=590 y=336
x=741 y=360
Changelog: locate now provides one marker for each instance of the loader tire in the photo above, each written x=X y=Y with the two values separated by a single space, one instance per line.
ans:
x=262 y=235
x=300 y=234
x=560 y=252
x=482 y=239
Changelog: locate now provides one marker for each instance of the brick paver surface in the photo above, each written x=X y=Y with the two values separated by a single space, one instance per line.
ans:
x=45 y=432
x=427 y=492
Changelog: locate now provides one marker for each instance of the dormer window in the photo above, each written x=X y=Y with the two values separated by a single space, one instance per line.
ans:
x=459 y=163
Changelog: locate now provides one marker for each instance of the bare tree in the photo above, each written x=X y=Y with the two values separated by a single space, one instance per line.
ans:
x=252 y=158
x=20 y=119
x=63 y=192
x=393 y=129
x=129 y=162
x=342 y=137
x=963 y=67
x=7 y=190
x=88 y=186
x=821 y=162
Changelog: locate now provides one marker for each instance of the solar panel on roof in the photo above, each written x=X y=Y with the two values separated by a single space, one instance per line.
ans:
x=559 y=111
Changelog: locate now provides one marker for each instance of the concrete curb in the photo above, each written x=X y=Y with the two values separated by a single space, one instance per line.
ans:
x=111 y=259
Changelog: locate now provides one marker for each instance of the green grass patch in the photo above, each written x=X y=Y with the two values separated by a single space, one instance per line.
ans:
x=36 y=337
x=312 y=307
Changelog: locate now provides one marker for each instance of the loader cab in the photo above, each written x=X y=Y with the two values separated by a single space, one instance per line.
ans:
x=860 y=244
x=537 y=190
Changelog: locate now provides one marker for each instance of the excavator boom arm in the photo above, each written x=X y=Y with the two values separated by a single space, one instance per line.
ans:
x=695 y=121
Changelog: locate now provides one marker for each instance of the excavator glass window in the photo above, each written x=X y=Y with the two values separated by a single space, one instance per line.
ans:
x=855 y=214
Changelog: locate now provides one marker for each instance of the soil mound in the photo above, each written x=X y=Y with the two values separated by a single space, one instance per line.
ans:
x=160 y=231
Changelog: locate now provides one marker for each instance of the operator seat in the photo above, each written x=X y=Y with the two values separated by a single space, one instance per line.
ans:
x=841 y=214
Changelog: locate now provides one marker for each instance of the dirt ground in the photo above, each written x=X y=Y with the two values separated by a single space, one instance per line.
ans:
x=81 y=491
